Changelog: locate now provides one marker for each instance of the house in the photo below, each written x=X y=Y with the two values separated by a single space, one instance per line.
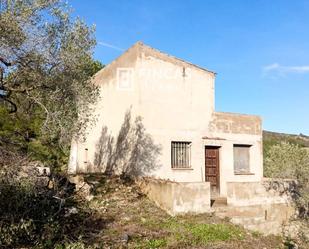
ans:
x=176 y=105
x=156 y=117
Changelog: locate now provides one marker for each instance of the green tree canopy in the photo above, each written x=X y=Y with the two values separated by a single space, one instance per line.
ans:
x=286 y=160
x=46 y=64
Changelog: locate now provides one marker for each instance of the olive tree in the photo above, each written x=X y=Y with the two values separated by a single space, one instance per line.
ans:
x=46 y=65
x=286 y=160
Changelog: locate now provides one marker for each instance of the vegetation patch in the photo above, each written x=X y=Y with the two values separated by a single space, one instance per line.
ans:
x=205 y=233
x=156 y=243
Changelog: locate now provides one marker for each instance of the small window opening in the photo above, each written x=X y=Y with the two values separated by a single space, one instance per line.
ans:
x=181 y=155
x=241 y=158
x=86 y=155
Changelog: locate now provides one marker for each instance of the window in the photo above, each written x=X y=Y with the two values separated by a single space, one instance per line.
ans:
x=86 y=155
x=181 y=155
x=241 y=159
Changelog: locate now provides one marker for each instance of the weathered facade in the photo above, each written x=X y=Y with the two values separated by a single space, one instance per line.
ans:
x=175 y=101
x=156 y=117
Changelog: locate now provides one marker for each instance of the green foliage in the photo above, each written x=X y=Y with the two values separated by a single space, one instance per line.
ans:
x=24 y=213
x=187 y=232
x=205 y=233
x=46 y=57
x=156 y=243
x=73 y=245
x=34 y=216
x=256 y=234
x=47 y=61
x=273 y=138
x=22 y=132
x=92 y=67
x=286 y=160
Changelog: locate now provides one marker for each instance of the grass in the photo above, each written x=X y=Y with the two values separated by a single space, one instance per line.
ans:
x=256 y=234
x=156 y=243
x=205 y=233
x=182 y=231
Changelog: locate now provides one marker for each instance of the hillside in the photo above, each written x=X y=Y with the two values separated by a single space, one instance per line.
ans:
x=301 y=139
x=270 y=138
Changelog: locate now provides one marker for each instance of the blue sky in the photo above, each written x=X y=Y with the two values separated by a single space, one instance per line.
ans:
x=259 y=49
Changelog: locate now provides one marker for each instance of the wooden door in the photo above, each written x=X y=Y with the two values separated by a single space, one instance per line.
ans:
x=212 y=172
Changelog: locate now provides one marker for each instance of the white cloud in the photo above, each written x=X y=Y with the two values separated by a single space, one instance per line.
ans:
x=278 y=69
x=108 y=45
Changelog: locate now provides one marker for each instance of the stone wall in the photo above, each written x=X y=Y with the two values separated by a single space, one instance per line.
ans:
x=178 y=198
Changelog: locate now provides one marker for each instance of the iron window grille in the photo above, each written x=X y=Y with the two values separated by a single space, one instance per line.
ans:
x=181 y=155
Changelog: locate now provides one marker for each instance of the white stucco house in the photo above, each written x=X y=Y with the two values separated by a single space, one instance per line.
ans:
x=156 y=118
x=174 y=102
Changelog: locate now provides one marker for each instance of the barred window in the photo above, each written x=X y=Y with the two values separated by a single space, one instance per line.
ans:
x=181 y=155
x=241 y=158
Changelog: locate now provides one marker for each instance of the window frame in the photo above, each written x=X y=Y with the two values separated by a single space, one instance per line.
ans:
x=186 y=163
x=248 y=169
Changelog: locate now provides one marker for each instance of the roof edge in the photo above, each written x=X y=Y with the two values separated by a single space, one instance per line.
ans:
x=140 y=44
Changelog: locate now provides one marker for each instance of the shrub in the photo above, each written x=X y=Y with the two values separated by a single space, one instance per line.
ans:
x=286 y=160
x=38 y=216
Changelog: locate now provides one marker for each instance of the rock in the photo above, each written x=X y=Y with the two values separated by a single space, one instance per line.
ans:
x=33 y=170
x=304 y=231
x=89 y=197
x=126 y=218
x=125 y=238
x=292 y=230
x=82 y=188
x=297 y=232
x=76 y=179
x=94 y=182
x=293 y=245
x=70 y=211
x=43 y=171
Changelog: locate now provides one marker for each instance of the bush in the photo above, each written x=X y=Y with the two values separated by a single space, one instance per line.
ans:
x=38 y=216
x=286 y=160
x=21 y=133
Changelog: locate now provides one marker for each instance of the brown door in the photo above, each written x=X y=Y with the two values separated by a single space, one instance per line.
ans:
x=212 y=173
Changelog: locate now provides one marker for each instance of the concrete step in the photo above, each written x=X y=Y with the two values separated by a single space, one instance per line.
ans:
x=218 y=202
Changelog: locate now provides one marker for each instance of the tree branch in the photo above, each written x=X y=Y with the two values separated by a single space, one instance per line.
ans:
x=5 y=62
x=14 y=109
x=21 y=90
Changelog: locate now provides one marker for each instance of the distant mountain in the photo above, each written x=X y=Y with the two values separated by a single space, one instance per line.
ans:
x=271 y=138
